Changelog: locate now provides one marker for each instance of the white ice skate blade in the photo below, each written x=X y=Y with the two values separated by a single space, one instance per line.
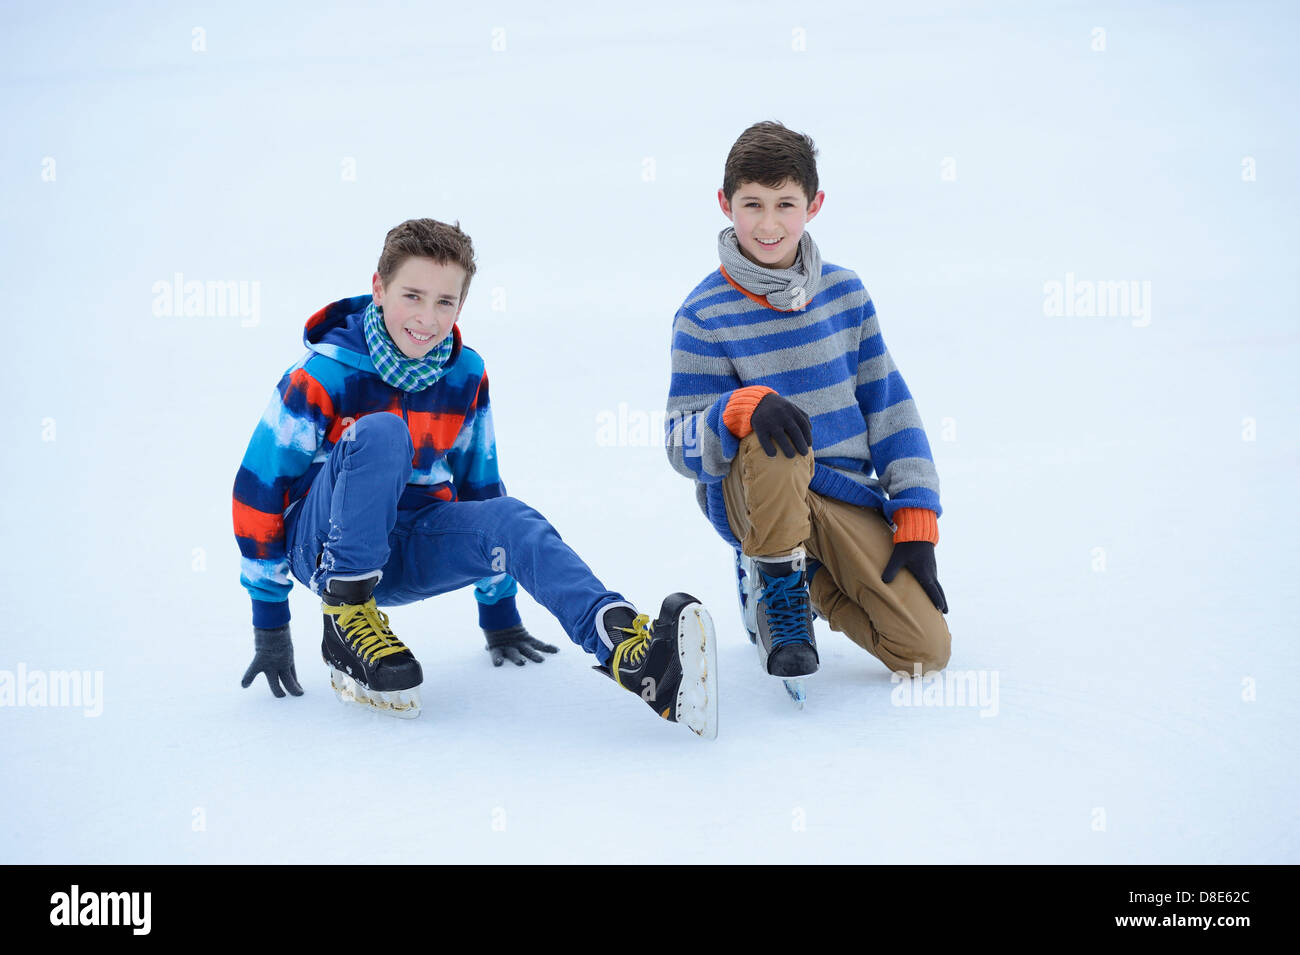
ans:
x=697 y=652
x=794 y=686
x=403 y=704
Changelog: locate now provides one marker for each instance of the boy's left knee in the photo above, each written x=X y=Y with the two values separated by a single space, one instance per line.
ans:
x=513 y=523
x=930 y=648
x=508 y=509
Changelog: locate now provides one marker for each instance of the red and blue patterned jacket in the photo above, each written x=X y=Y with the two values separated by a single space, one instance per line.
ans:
x=330 y=387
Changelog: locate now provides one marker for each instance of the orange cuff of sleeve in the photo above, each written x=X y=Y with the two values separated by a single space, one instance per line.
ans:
x=916 y=524
x=741 y=405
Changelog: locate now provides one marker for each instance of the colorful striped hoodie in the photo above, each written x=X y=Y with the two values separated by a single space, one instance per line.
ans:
x=730 y=347
x=330 y=387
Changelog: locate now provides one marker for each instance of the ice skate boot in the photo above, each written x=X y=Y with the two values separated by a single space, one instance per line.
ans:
x=672 y=664
x=368 y=665
x=786 y=645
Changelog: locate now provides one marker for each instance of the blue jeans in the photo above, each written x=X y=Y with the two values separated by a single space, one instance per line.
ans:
x=349 y=525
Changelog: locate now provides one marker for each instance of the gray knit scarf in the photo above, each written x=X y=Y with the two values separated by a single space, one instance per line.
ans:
x=786 y=289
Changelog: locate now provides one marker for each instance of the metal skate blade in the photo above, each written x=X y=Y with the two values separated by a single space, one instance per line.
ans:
x=697 y=700
x=403 y=704
x=796 y=690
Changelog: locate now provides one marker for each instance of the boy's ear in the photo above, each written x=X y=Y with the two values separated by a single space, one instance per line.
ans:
x=815 y=206
x=724 y=204
x=377 y=290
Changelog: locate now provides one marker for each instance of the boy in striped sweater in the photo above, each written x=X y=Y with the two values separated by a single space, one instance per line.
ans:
x=783 y=402
x=372 y=478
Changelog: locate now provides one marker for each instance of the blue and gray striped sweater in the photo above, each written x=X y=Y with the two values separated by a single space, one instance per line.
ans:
x=830 y=360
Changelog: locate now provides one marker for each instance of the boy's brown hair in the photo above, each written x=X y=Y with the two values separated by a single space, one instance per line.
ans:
x=767 y=153
x=429 y=239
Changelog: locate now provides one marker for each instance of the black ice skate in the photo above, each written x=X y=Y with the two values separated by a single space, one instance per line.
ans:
x=368 y=665
x=672 y=664
x=775 y=592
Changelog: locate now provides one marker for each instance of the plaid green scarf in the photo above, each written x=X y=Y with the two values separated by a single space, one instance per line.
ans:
x=408 y=374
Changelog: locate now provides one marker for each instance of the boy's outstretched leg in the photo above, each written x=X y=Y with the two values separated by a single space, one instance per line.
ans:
x=447 y=546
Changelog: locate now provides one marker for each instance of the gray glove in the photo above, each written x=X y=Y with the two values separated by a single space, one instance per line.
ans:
x=514 y=644
x=274 y=657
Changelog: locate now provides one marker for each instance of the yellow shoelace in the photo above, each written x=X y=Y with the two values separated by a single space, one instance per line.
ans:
x=632 y=649
x=366 y=629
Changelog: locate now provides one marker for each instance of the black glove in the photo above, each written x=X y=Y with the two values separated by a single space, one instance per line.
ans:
x=918 y=557
x=777 y=421
x=274 y=657
x=510 y=643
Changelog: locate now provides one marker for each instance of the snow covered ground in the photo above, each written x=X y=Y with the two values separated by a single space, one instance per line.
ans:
x=1119 y=537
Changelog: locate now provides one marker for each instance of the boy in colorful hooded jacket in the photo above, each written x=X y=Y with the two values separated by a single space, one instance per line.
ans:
x=372 y=476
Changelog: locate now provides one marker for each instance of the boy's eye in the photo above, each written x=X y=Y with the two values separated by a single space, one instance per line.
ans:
x=411 y=295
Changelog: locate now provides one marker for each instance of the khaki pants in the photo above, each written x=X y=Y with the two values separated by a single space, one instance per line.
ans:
x=771 y=511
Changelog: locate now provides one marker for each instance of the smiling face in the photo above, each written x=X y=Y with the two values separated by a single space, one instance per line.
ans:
x=420 y=303
x=769 y=222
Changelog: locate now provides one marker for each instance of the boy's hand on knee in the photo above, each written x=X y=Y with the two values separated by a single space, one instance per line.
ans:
x=779 y=422
x=514 y=644
x=273 y=655
x=918 y=557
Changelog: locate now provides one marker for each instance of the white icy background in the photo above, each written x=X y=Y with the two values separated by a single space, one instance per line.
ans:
x=1120 y=690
